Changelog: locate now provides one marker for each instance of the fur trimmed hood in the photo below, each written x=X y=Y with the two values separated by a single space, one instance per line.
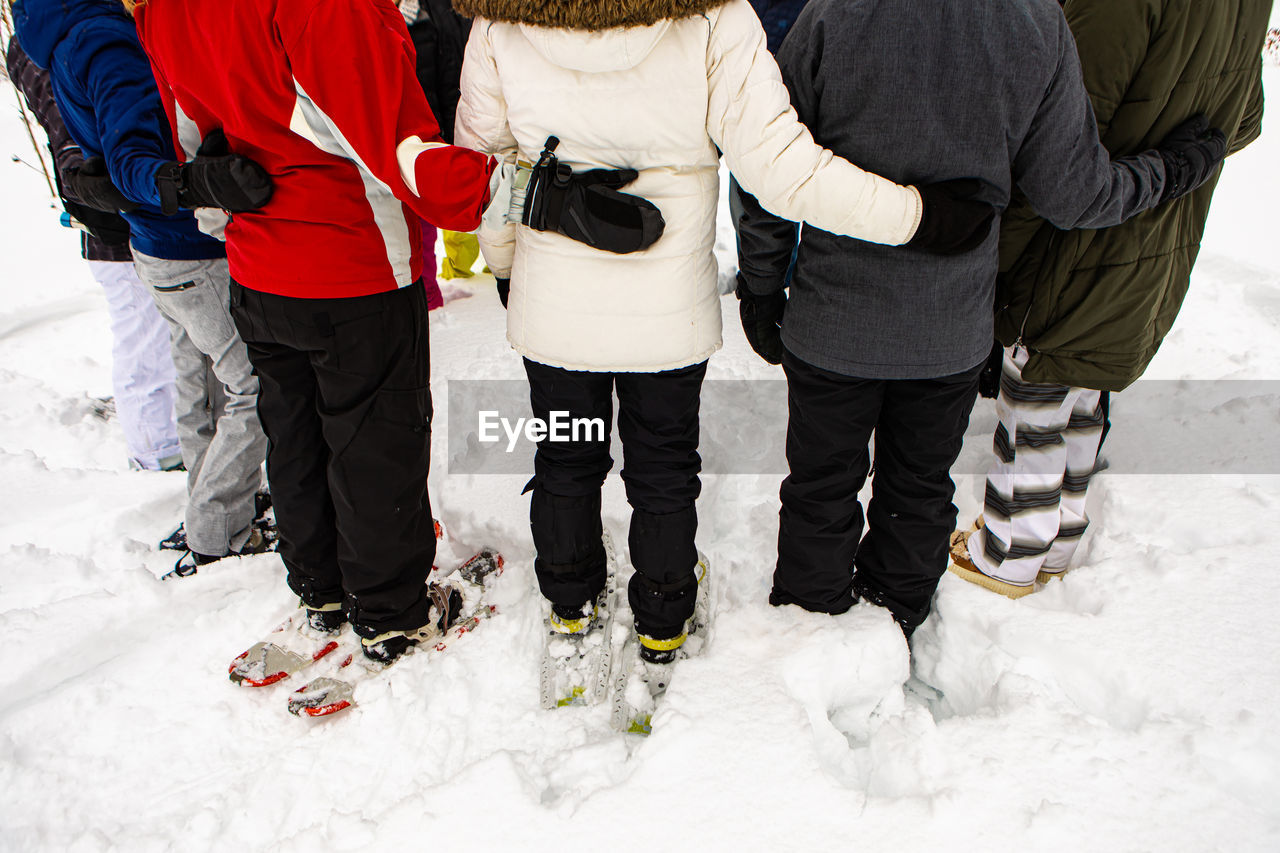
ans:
x=590 y=15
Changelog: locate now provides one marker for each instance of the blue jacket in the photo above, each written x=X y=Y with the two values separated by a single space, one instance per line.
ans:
x=107 y=95
x=777 y=16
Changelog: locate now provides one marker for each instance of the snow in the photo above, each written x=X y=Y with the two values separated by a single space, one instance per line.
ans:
x=1131 y=706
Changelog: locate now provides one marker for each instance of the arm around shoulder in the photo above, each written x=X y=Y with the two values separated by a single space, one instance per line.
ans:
x=775 y=157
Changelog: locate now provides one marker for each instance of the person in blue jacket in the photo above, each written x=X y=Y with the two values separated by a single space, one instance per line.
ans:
x=777 y=16
x=104 y=88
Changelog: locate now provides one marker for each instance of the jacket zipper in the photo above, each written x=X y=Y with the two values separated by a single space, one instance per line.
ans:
x=1031 y=301
x=1017 y=342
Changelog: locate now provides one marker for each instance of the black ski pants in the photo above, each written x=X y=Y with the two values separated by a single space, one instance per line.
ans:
x=346 y=407
x=824 y=562
x=658 y=424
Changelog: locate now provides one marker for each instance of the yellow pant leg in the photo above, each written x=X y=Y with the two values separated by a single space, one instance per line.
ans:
x=460 y=253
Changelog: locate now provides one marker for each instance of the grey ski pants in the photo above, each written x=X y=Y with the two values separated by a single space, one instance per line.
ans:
x=222 y=441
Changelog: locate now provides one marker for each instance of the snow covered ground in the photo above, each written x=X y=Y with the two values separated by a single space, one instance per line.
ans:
x=1133 y=706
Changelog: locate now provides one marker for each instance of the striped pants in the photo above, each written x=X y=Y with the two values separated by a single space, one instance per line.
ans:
x=1046 y=447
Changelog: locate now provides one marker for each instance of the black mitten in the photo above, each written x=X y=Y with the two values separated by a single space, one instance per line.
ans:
x=215 y=178
x=597 y=214
x=588 y=207
x=952 y=221
x=90 y=184
x=504 y=290
x=1191 y=154
x=762 y=321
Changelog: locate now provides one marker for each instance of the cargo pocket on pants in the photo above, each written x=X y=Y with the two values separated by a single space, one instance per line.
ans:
x=400 y=435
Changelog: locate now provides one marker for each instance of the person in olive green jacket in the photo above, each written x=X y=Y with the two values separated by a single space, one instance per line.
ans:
x=1082 y=313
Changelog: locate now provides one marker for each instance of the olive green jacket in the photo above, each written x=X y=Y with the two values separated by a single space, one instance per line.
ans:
x=1093 y=306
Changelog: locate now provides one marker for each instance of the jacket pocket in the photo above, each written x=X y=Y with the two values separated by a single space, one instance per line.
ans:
x=174 y=288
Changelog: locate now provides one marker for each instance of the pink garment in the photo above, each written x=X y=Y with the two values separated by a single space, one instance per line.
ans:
x=434 y=298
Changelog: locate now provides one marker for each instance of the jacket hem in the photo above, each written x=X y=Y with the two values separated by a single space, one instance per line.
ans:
x=616 y=368
x=875 y=370
x=323 y=289
x=205 y=250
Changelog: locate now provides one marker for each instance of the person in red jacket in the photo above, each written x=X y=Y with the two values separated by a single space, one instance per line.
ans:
x=327 y=289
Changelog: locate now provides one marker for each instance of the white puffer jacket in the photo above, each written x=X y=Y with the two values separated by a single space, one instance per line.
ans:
x=659 y=99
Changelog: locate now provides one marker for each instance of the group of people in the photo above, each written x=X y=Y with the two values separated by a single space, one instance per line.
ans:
x=188 y=397
x=897 y=132
x=1055 y=110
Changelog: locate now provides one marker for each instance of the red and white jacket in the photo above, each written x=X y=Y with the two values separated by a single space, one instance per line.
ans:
x=322 y=94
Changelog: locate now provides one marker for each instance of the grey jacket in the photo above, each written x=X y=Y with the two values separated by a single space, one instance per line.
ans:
x=921 y=91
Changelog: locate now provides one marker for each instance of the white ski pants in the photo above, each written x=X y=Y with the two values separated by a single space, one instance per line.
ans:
x=1046 y=447
x=142 y=374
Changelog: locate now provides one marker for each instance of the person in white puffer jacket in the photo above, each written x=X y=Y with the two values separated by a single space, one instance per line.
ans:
x=660 y=87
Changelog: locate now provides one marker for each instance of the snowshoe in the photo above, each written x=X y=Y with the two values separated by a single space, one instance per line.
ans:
x=578 y=646
x=646 y=666
x=459 y=605
x=292 y=647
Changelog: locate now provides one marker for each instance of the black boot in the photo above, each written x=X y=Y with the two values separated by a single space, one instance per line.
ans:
x=446 y=608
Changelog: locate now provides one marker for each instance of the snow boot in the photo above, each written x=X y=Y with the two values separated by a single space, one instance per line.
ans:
x=1047 y=574
x=327 y=618
x=387 y=648
x=188 y=563
x=963 y=566
x=177 y=540
x=446 y=607
x=572 y=619
x=261 y=504
x=661 y=647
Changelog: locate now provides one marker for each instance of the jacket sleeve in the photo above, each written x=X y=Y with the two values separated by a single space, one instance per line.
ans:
x=1062 y=167
x=774 y=156
x=130 y=121
x=37 y=91
x=482 y=124
x=178 y=127
x=1251 y=122
x=355 y=62
x=765 y=245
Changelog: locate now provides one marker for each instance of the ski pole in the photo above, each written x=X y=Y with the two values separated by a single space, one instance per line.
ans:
x=16 y=159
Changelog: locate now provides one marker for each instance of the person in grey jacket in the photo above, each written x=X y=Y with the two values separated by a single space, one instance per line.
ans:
x=893 y=342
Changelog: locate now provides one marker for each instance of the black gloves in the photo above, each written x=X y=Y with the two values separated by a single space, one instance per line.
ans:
x=952 y=222
x=1191 y=154
x=90 y=184
x=762 y=321
x=504 y=289
x=989 y=376
x=215 y=178
x=587 y=206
